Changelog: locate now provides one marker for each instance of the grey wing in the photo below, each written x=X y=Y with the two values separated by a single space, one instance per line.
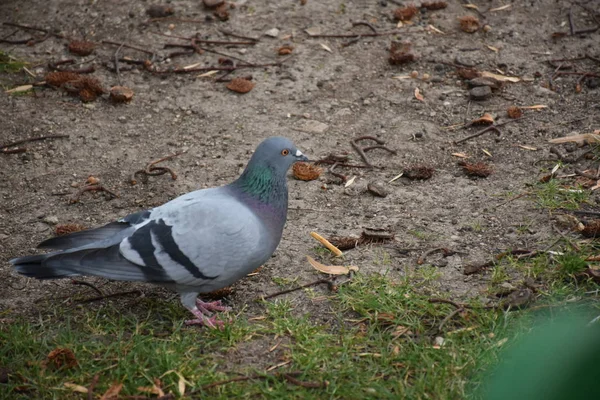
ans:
x=197 y=241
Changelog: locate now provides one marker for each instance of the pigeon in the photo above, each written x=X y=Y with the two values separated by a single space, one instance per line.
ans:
x=197 y=243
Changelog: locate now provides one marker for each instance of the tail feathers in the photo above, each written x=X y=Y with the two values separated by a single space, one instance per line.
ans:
x=82 y=238
x=32 y=266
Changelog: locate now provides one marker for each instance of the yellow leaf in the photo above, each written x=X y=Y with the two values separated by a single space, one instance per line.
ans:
x=327 y=244
x=18 y=89
x=505 y=7
x=113 y=392
x=418 y=95
x=325 y=47
x=207 y=74
x=528 y=147
x=536 y=107
x=76 y=388
x=181 y=385
x=461 y=155
x=331 y=269
x=501 y=78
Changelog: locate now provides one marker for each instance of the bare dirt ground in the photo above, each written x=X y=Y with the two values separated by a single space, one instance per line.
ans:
x=326 y=94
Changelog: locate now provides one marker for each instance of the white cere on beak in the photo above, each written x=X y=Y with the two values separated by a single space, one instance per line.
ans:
x=298 y=153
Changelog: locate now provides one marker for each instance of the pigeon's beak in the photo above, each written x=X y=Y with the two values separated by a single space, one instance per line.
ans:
x=299 y=156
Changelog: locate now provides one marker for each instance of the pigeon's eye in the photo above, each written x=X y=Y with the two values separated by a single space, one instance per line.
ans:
x=285 y=152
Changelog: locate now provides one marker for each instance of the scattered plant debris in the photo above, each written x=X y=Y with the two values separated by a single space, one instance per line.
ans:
x=82 y=47
x=591 y=229
x=160 y=11
x=478 y=169
x=400 y=53
x=92 y=185
x=468 y=73
x=518 y=299
x=514 y=112
x=469 y=24
x=368 y=236
x=222 y=11
x=331 y=269
x=240 y=85
x=57 y=79
x=61 y=358
x=306 y=171
x=285 y=50
x=418 y=172
x=327 y=244
x=152 y=170
x=485 y=119
x=405 y=13
x=434 y=5
x=65 y=229
x=121 y=94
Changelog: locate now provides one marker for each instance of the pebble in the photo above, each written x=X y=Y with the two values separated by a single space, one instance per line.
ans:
x=122 y=118
x=480 y=93
x=51 y=220
x=462 y=60
x=274 y=32
x=377 y=189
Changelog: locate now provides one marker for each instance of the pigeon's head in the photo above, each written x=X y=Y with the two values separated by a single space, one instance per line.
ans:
x=277 y=152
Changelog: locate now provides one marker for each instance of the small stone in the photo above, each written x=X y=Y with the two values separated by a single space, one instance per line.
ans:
x=439 y=341
x=272 y=33
x=464 y=61
x=213 y=3
x=377 y=189
x=122 y=118
x=51 y=220
x=482 y=81
x=480 y=93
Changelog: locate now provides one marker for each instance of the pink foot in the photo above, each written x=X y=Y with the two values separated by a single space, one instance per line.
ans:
x=203 y=320
x=206 y=308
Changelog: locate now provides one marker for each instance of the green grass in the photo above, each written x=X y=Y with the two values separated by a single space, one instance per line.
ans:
x=553 y=195
x=9 y=64
x=377 y=342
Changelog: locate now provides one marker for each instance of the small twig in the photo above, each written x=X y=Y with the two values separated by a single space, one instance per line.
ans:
x=84 y=283
x=446 y=301
x=151 y=170
x=481 y=132
x=571 y=24
x=448 y=318
x=33 y=139
x=128 y=46
x=107 y=296
x=343 y=177
x=229 y=33
x=446 y=252
x=352 y=35
x=33 y=28
x=364 y=23
x=116 y=58
x=379 y=146
x=306 y=384
x=329 y=282
x=221 y=42
x=90 y=393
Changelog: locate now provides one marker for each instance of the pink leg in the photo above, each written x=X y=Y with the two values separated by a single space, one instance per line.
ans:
x=204 y=314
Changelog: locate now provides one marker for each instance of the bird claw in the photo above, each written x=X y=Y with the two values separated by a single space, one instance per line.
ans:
x=212 y=322
x=215 y=306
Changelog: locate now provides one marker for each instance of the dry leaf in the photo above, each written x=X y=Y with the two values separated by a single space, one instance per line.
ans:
x=331 y=269
x=325 y=47
x=505 y=7
x=76 y=388
x=527 y=147
x=240 y=85
x=418 y=95
x=306 y=172
x=121 y=94
x=469 y=5
x=192 y=66
x=434 y=29
x=580 y=139
x=501 y=78
x=113 y=392
x=492 y=48
x=207 y=74
x=485 y=119
x=350 y=181
x=402 y=77
x=19 y=89
x=313 y=31
x=61 y=357
x=536 y=107
x=396 y=177
x=487 y=153
x=461 y=155
x=181 y=385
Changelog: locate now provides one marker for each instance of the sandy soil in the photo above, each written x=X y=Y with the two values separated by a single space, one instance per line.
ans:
x=325 y=95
